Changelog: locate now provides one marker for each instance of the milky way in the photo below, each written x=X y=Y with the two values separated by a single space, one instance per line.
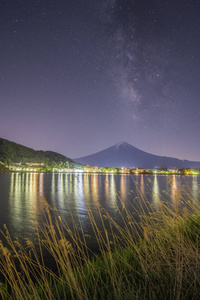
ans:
x=79 y=76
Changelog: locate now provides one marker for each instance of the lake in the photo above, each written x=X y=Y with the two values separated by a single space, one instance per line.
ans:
x=21 y=194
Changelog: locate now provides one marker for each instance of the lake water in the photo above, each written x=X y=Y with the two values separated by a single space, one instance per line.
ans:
x=21 y=204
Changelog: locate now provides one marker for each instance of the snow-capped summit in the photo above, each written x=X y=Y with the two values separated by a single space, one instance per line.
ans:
x=122 y=145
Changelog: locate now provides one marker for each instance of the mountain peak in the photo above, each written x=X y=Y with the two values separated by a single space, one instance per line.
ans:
x=122 y=145
x=123 y=154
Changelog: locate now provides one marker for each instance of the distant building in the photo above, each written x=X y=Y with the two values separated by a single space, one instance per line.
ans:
x=141 y=171
x=95 y=168
x=35 y=164
x=173 y=170
x=91 y=169
x=125 y=170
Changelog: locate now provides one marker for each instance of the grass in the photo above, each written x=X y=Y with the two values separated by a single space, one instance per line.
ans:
x=155 y=258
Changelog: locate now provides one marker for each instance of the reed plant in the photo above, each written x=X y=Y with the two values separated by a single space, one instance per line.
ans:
x=156 y=256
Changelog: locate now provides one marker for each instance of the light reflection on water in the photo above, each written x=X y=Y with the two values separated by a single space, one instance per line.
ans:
x=142 y=185
x=174 y=190
x=21 y=204
x=195 y=188
x=155 y=192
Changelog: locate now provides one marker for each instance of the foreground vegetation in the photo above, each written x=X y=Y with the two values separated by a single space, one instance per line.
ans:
x=157 y=257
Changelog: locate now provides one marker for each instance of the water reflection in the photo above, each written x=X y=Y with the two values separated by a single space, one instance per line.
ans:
x=86 y=186
x=24 y=199
x=195 y=188
x=53 y=188
x=94 y=186
x=123 y=191
x=155 y=191
x=60 y=190
x=142 y=185
x=81 y=197
x=73 y=193
x=113 y=194
x=174 y=190
x=106 y=186
x=41 y=184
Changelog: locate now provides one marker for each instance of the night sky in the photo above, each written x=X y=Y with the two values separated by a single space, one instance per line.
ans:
x=79 y=76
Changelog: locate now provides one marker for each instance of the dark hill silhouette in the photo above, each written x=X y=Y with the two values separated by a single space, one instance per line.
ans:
x=11 y=152
x=126 y=155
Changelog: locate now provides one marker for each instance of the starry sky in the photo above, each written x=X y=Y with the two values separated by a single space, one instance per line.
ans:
x=77 y=76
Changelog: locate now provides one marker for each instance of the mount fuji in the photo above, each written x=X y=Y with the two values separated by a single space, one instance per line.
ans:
x=126 y=155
